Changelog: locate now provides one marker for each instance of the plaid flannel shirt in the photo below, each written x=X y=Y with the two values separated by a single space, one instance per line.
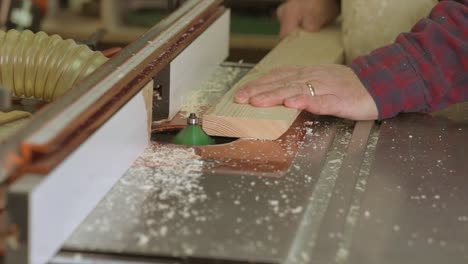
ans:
x=424 y=70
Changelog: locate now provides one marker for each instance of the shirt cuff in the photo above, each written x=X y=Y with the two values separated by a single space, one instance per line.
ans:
x=391 y=78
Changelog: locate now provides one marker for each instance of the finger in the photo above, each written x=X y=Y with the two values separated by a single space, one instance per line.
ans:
x=244 y=95
x=270 y=83
x=277 y=97
x=311 y=24
x=289 y=17
x=327 y=104
x=280 y=10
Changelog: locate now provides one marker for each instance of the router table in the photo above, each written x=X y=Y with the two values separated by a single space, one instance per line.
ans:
x=86 y=183
x=356 y=192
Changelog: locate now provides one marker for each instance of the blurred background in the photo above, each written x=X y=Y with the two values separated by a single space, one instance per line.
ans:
x=110 y=23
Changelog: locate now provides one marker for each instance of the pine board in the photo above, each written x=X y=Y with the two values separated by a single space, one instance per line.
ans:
x=228 y=119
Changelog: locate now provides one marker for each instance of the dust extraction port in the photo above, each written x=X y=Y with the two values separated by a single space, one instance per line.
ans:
x=166 y=135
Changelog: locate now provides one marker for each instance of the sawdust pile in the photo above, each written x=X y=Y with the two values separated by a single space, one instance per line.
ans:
x=210 y=91
x=169 y=173
x=161 y=189
x=169 y=177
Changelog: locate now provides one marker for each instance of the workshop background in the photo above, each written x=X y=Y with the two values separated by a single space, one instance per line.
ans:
x=254 y=27
x=328 y=190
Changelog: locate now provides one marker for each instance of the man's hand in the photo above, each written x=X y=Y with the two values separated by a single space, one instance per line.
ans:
x=338 y=91
x=310 y=15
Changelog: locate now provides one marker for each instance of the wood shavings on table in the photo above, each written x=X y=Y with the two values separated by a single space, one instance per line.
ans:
x=161 y=188
x=210 y=91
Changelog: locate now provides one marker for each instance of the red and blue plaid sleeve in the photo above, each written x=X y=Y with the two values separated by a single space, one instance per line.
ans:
x=424 y=70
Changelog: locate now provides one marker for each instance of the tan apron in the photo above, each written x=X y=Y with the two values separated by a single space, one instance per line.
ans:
x=370 y=24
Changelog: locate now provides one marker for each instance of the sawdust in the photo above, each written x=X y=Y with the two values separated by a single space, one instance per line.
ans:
x=210 y=91
x=354 y=212
x=162 y=186
x=170 y=176
x=165 y=203
x=322 y=193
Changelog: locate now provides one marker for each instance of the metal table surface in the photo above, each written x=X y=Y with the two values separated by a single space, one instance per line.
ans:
x=365 y=192
x=413 y=207
x=416 y=205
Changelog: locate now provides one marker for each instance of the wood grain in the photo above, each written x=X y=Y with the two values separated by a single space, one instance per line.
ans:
x=226 y=118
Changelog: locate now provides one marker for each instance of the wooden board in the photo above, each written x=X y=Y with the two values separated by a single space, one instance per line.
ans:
x=197 y=62
x=229 y=119
x=7 y=117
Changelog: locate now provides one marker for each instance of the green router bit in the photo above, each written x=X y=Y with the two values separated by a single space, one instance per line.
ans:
x=193 y=134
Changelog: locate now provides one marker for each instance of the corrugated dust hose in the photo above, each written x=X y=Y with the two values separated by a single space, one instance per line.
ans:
x=41 y=66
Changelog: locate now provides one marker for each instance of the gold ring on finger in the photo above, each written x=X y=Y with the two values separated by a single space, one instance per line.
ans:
x=311 y=89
